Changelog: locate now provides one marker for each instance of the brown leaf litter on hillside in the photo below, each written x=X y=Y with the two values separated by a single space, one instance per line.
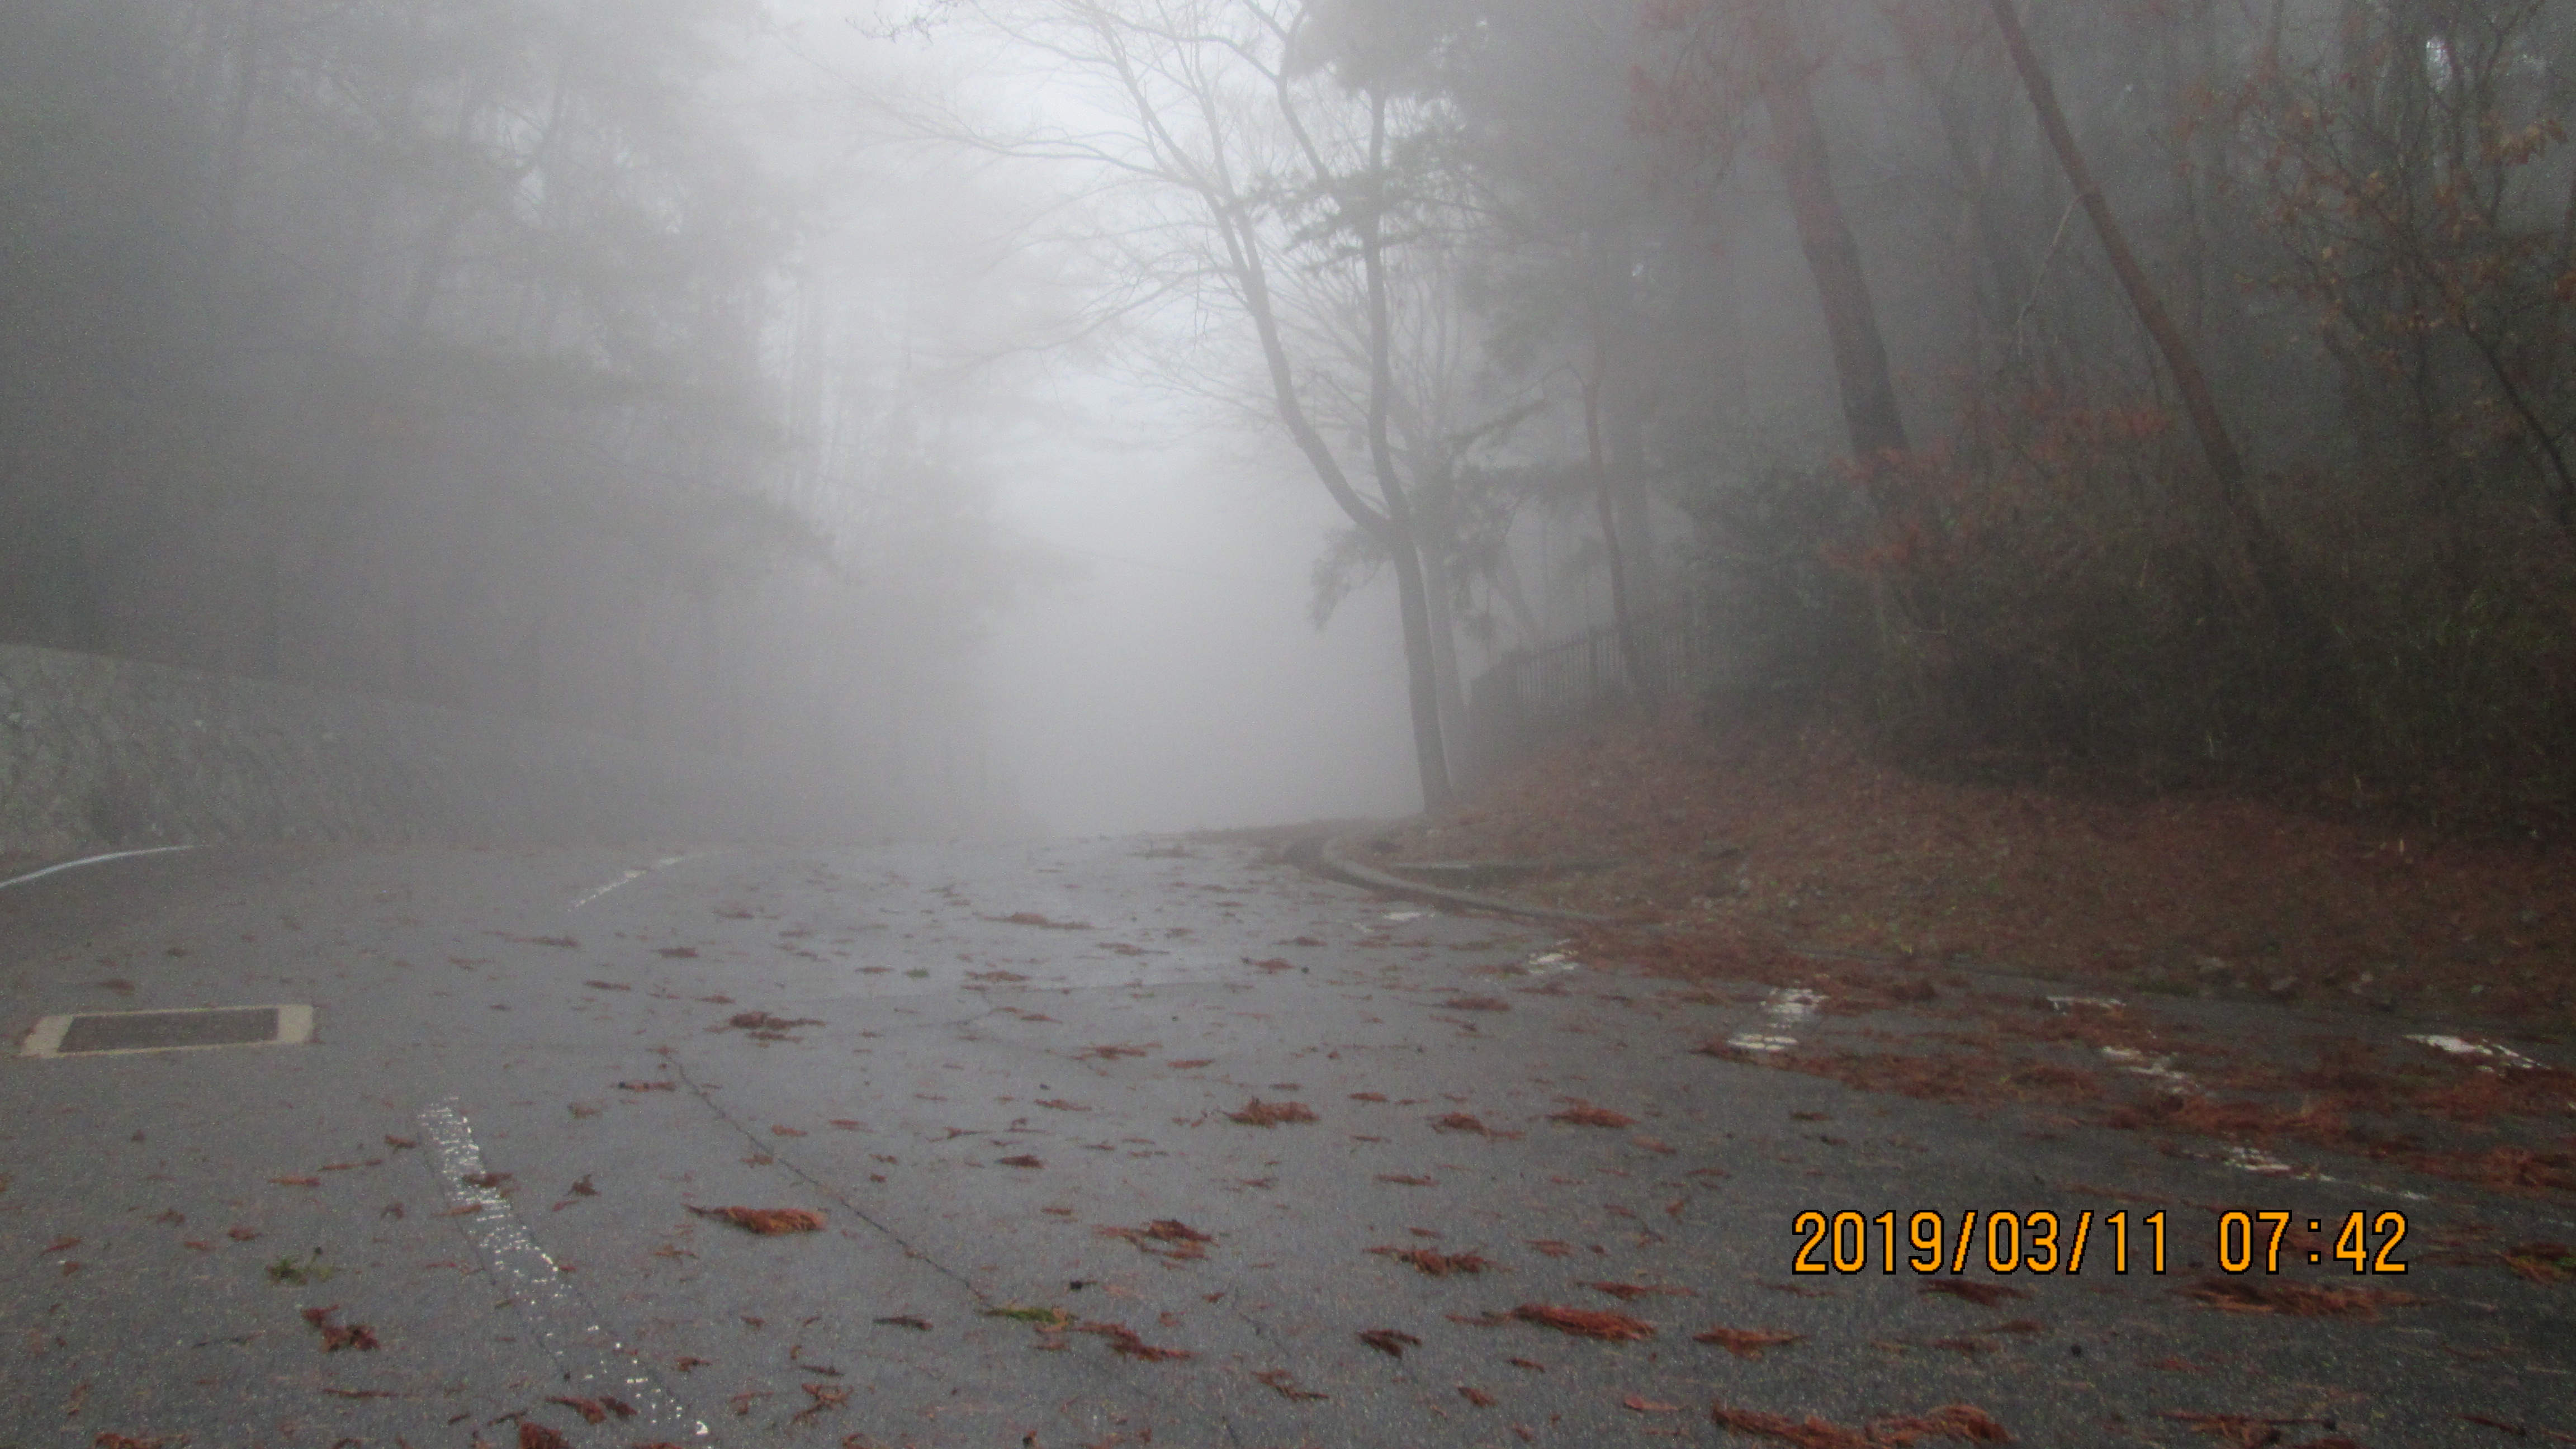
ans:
x=1746 y=837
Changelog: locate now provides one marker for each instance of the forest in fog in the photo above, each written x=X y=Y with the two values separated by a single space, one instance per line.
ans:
x=2158 y=393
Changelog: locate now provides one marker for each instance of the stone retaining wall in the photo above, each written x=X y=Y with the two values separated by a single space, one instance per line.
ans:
x=108 y=753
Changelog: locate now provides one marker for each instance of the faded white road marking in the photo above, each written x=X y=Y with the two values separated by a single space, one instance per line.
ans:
x=2157 y=1068
x=2105 y=1003
x=2488 y=1052
x=631 y=877
x=1550 y=964
x=592 y=1360
x=90 y=860
x=1788 y=1006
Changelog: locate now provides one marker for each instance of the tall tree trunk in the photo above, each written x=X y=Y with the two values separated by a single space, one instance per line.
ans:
x=1851 y=320
x=2226 y=466
x=1421 y=672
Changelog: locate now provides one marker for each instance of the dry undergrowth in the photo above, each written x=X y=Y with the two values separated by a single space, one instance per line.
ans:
x=1747 y=838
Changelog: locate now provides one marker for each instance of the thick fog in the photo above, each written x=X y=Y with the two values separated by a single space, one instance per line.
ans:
x=977 y=404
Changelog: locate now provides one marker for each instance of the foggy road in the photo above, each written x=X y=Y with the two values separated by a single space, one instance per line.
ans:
x=1011 y=1081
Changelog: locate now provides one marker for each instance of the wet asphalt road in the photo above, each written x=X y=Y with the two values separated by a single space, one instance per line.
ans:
x=1002 y=1076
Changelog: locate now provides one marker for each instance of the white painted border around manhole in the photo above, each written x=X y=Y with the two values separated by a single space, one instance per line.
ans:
x=45 y=1042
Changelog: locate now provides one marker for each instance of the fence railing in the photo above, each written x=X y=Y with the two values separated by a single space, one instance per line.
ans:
x=1528 y=696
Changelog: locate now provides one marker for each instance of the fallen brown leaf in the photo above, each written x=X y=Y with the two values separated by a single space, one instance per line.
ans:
x=1023 y=1160
x=1284 y=1384
x=1747 y=1342
x=336 y=1337
x=2295 y=1300
x=1643 y=1405
x=1984 y=1295
x=768 y=1222
x=1476 y=1396
x=1258 y=1113
x=1123 y=1340
x=1391 y=1342
x=533 y=1435
x=1457 y=1122
x=1585 y=1115
x=907 y=1320
x=1631 y=1292
x=1435 y=1264
x=1584 y=1322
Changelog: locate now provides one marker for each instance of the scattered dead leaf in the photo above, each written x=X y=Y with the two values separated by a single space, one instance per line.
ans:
x=1389 y=1341
x=2295 y=1300
x=1123 y=1341
x=1476 y=1396
x=1984 y=1295
x=533 y=1435
x=1258 y=1113
x=1585 y=1115
x=1747 y=1342
x=1584 y=1322
x=1284 y=1384
x=337 y=1336
x=768 y=1222
x=1436 y=1264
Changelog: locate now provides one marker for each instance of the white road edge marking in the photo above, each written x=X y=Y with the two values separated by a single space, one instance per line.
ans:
x=90 y=860
x=591 y=1359
x=1788 y=1006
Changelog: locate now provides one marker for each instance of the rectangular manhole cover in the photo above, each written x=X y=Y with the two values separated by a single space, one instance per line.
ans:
x=103 y=1033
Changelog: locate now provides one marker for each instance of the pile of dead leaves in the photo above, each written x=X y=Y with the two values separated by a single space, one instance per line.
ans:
x=768 y=1222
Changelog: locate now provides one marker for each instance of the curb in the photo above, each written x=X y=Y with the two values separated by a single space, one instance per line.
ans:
x=1330 y=854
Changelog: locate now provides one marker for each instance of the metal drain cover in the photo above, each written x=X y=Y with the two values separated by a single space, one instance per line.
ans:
x=104 y=1033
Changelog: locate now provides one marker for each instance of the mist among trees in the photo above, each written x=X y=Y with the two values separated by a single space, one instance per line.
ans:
x=2154 y=394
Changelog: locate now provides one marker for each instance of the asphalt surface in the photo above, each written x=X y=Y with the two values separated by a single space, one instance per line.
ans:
x=486 y=1194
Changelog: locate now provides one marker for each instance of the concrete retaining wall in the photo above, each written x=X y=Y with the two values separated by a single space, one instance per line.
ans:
x=98 y=752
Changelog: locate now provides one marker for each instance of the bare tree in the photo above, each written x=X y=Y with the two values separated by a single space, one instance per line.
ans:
x=1242 y=174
